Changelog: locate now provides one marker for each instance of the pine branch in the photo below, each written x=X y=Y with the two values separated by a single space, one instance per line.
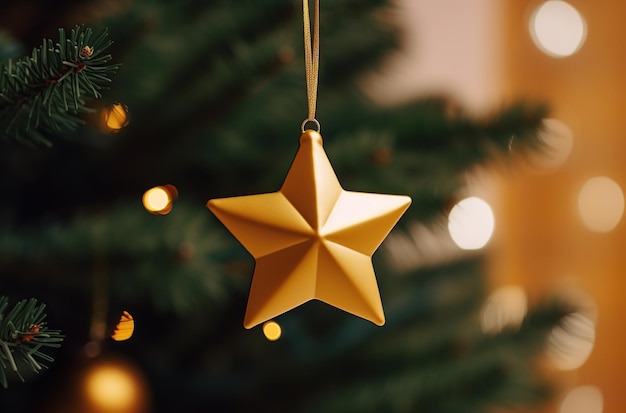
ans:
x=44 y=93
x=23 y=333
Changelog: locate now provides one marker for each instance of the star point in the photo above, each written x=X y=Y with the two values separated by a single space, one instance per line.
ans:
x=311 y=239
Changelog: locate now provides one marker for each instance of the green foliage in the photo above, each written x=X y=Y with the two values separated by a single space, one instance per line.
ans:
x=45 y=93
x=23 y=334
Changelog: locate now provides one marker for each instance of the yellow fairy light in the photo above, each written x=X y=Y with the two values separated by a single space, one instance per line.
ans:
x=601 y=204
x=124 y=328
x=272 y=330
x=159 y=199
x=471 y=223
x=156 y=199
x=114 y=387
x=115 y=117
x=557 y=28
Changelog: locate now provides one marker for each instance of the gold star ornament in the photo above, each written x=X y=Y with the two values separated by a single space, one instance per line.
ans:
x=311 y=239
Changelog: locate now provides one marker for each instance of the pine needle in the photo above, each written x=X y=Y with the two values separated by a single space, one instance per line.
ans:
x=43 y=94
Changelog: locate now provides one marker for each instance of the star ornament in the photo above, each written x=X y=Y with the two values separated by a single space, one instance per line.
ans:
x=311 y=239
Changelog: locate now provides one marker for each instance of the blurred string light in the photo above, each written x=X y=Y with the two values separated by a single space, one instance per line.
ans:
x=158 y=200
x=601 y=204
x=557 y=28
x=505 y=307
x=272 y=330
x=115 y=117
x=583 y=399
x=570 y=344
x=471 y=223
x=114 y=387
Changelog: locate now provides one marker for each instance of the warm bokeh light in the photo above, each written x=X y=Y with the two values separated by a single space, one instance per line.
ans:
x=601 y=204
x=558 y=141
x=115 y=117
x=471 y=223
x=557 y=28
x=272 y=330
x=505 y=307
x=112 y=387
x=571 y=343
x=156 y=199
x=159 y=199
x=583 y=399
x=124 y=328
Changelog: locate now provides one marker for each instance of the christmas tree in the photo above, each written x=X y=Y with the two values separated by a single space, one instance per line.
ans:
x=207 y=103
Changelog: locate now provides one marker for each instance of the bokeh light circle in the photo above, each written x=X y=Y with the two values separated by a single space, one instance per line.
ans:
x=115 y=117
x=505 y=307
x=113 y=387
x=601 y=204
x=570 y=344
x=583 y=399
x=557 y=28
x=272 y=330
x=158 y=200
x=471 y=223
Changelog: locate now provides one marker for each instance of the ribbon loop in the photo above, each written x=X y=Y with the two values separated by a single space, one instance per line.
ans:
x=311 y=55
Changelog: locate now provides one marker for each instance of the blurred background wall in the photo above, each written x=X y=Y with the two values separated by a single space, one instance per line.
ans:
x=561 y=223
x=558 y=217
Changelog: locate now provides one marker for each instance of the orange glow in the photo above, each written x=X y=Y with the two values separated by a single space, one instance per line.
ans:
x=159 y=199
x=113 y=387
x=115 y=117
x=272 y=330
x=124 y=328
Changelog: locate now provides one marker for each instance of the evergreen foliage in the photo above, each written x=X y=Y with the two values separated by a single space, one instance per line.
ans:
x=216 y=95
x=46 y=92
x=23 y=334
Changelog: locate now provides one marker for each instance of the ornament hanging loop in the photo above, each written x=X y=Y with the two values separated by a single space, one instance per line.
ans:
x=311 y=59
x=306 y=122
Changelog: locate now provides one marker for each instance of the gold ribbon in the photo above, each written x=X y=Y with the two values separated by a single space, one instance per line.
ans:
x=311 y=57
